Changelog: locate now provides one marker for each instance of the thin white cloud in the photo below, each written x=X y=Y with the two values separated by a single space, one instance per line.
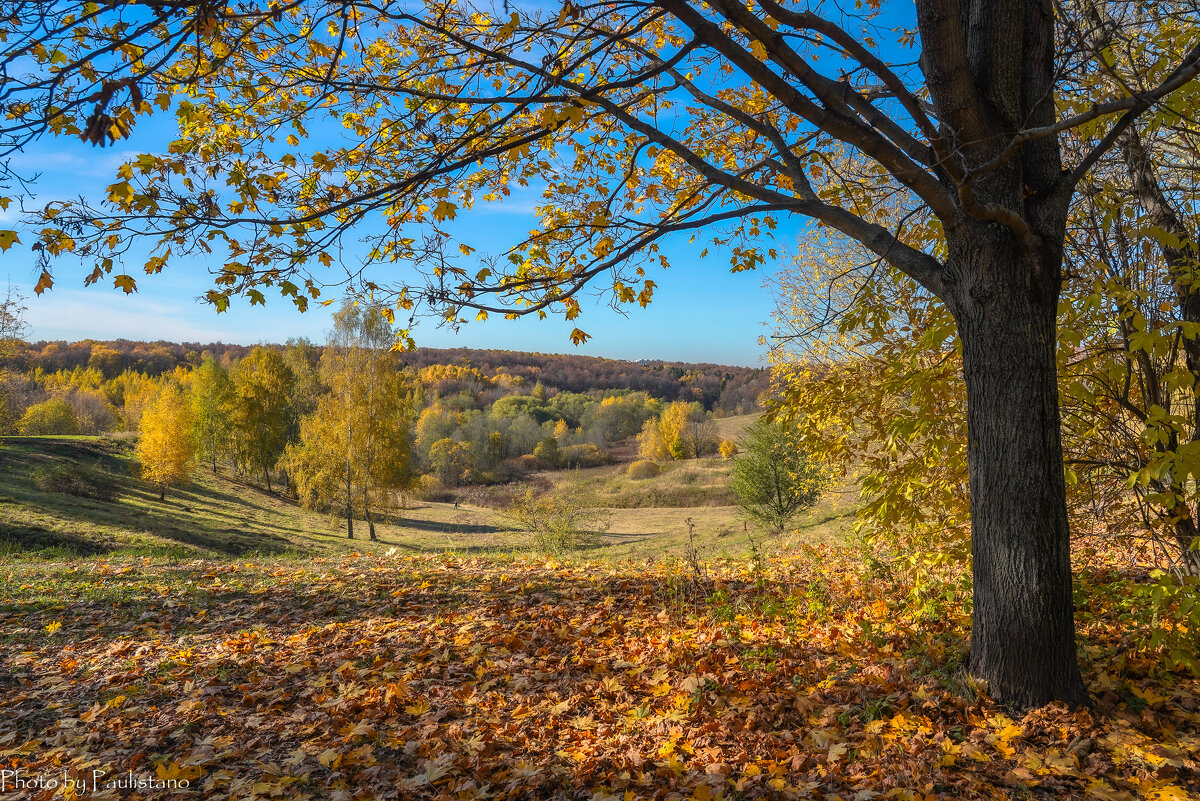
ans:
x=74 y=314
x=74 y=163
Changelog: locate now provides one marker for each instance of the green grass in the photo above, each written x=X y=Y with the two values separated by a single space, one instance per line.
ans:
x=218 y=517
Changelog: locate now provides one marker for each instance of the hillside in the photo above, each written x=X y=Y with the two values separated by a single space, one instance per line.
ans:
x=219 y=517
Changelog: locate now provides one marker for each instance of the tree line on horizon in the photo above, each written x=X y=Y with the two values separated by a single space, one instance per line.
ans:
x=724 y=389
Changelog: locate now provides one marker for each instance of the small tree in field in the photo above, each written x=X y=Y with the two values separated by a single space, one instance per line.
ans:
x=773 y=479
x=166 y=445
x=354 y=446
x=560 y=521
x=260 y=412
x=54 y=416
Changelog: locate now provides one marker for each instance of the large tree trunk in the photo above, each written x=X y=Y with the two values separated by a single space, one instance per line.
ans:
x=1023 y=635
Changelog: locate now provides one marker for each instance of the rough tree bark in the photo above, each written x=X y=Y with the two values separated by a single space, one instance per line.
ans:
x=1001 y=280
x=1023 y=628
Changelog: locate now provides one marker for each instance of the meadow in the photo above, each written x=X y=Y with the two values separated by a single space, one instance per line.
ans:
x=218 y=516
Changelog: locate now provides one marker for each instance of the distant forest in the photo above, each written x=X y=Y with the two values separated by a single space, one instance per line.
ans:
x=722 y=389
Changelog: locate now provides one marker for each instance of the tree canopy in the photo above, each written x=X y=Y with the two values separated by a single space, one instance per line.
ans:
x=639 y=120
x=642 y=120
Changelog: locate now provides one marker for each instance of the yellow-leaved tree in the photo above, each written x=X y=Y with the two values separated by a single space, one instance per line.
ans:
x=354 y=449
x=212 y=400
x=866 y=366
x=166 y=446
x=680 y=432
x=260 y=410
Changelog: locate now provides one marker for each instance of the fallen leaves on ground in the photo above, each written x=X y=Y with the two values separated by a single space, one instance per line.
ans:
x=444 y=678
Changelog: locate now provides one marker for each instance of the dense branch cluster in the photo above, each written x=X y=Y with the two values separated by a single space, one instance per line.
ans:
x=636 y=121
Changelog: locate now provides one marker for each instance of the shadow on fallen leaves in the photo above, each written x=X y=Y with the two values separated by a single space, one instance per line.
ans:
x=428 y=677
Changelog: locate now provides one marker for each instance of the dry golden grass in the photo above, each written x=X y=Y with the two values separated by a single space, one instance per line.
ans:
x=733 y=427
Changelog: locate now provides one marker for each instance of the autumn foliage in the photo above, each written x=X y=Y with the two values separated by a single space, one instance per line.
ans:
x=825 y=676
x=166 y=444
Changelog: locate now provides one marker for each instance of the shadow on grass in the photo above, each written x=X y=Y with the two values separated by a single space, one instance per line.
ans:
x=191 y=516
x=449 y=528
x=19 y=537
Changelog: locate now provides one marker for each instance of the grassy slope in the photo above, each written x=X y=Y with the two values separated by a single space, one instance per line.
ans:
x=214 y=516
x=217 y=517
x=733 y=427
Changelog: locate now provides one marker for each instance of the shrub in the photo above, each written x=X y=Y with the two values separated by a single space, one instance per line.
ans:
x=728 y=449
x=430 y=488
x=585 y=455
x=560 y=521
x=76 y=480
x=643 y=469
x=54 y=416
x=528 y=462
x=547 y=453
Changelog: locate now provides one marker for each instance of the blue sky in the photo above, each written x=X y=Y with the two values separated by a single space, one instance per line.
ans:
x=701 y=312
